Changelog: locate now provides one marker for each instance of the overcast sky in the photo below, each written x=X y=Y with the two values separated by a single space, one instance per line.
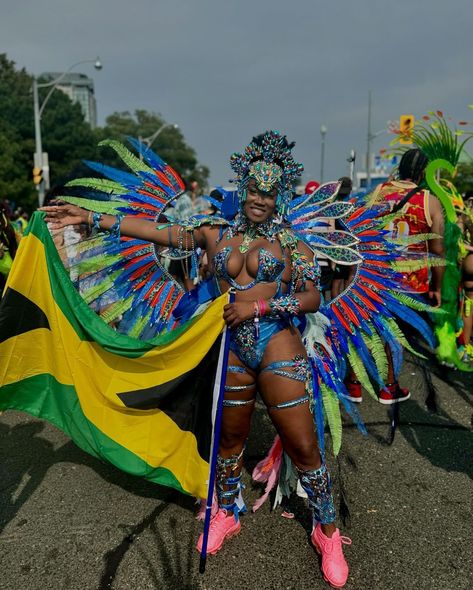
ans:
x=224 y=70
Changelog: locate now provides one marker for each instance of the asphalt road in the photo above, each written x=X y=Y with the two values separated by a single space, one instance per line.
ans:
x=68 y=521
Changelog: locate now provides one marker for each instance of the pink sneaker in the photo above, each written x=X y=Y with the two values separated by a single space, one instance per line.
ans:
x=334 y=566
x=393 y=394
x=221 y=527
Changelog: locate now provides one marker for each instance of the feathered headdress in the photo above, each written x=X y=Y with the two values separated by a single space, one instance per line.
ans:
x=268 y=159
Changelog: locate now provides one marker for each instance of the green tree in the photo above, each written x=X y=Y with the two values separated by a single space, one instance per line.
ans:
x=464 y=178
x=68 y=139
x=16 y=134
x=169 y=144
x=66 y=136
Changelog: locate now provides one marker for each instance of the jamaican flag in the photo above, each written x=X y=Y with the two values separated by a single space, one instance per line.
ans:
x=145 y=406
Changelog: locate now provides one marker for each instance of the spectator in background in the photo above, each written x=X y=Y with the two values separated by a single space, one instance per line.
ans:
x=420 y=212
x=8 y=246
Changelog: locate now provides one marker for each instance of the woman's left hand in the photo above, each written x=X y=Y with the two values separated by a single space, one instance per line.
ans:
x=236 y=313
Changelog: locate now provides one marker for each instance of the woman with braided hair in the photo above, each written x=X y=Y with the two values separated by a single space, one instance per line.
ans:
x=276 y=282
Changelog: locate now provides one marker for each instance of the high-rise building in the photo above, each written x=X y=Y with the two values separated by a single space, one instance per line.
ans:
x=79 y=88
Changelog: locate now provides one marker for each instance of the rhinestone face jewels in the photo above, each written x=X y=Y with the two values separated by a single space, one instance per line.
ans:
x=266 y=175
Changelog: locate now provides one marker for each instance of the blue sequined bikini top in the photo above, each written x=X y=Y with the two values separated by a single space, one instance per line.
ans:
x=270 y=269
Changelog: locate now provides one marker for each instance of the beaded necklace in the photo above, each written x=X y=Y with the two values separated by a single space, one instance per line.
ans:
x=269 y=229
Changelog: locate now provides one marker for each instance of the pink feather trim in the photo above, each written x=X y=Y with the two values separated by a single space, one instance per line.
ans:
x=268 y=470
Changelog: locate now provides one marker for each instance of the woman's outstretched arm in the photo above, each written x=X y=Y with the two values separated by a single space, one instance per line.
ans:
x=58 y=216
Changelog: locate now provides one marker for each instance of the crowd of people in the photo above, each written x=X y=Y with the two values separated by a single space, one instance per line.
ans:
x=264 y=256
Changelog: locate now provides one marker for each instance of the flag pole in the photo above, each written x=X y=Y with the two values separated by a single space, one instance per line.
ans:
x=223 y=364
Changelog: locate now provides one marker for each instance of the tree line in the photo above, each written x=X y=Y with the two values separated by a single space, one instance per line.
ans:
x=69 y=140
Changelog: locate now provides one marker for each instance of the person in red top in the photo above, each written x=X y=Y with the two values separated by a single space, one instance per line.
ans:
x=420 y=212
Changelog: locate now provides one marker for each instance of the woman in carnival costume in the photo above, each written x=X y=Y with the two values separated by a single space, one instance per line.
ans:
x=279 y=345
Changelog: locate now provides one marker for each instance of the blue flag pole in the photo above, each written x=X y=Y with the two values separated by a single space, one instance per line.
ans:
x=223 y=365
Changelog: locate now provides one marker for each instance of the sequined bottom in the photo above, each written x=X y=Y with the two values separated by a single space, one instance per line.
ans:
x=247 y=347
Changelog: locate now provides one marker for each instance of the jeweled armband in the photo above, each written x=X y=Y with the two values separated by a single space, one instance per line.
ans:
x=96 y=219
x=286 y=305
x=115 y=229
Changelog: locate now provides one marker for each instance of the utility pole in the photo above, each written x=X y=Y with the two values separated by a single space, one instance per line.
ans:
x=323 y=133
x=369 y=137
x=150 y=140
x=38 y=154
x=41 y=159
x=351 y=161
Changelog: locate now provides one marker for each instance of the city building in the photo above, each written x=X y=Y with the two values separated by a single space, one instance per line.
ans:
x=380 y=170
x=79 y=88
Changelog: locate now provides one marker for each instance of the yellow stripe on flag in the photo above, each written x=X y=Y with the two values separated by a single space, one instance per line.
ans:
x=98 y=376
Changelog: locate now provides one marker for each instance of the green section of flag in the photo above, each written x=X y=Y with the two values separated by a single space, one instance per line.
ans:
x=44 y=397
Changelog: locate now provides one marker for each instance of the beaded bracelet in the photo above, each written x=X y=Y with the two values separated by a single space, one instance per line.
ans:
x=256 y=318
x=286 y=305
x=262 y=307
x=115 y=229
x=96 y=219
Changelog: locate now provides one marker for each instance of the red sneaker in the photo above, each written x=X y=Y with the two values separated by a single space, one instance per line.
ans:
x=393 y=394
x=354 y=391
x=334 y=566
x=221 y=527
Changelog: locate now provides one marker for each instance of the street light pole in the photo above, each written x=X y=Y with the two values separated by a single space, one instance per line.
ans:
x=40 y=159
x=323 y=133
x=351 y=161
x=369 y=138
x=150 y=140
x=38 y=155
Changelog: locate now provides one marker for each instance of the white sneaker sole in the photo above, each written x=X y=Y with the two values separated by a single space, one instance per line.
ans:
x=390 y=402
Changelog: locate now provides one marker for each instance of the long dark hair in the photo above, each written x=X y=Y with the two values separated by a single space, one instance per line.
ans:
x=412 y=165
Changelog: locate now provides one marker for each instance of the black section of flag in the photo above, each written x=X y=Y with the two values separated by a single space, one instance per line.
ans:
x=19 y=315
x=186 y=399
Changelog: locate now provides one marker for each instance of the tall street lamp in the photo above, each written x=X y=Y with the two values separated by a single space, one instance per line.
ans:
x=370 y=136
x=151 y=139
x=40 y=158
x=351 y=161
x=323 y=133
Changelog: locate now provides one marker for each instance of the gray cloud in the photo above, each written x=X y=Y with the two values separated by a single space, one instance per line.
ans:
x=227 y=70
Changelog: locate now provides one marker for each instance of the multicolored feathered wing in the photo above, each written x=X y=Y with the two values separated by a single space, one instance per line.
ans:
x=122 y=278
x=354 y=327
x=367 y=314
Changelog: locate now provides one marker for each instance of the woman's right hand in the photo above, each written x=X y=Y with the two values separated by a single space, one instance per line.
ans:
x=61 y=215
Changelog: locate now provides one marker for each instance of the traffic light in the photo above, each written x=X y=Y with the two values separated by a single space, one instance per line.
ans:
x=406 y=126
x=37 y=175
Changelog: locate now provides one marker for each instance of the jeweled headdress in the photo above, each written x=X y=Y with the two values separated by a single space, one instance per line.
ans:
x=268 y=159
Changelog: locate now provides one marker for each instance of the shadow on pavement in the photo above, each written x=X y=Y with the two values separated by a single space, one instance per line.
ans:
x=25 y=458
x=168 y=560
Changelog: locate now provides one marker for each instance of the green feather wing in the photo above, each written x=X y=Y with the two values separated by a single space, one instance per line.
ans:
x=110 y=207
x=405 y=299
x=376 y=347
x=100 y=184
x=333 y=416
x=399 y=335
x=128 y=157
x=360 y=371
